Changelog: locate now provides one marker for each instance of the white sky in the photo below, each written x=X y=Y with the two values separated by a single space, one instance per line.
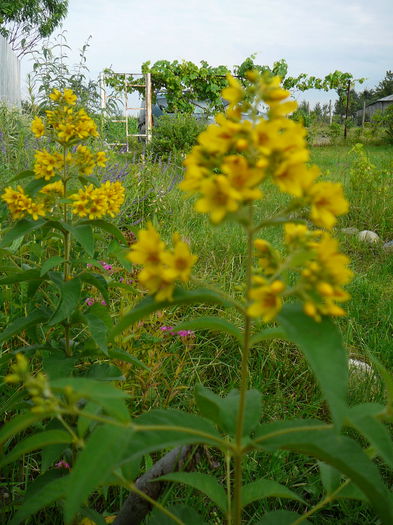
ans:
x=314 y=36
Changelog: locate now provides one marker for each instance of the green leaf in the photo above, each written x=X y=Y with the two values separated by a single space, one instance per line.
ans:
x=223 y=410
x=99 y=322
x=46 y=495
x=187 y=515
x=100 y=456
x=20 y=229
x=69 y=300
x=35 y=442
x=121 y=355
x=341 y=452
x=50 y=454
x=56 y=365
x=108 y=227
x=17 y=424
x=54 y=261
x=203 y=482
x=96 y=280
x=266 y=488
x=35 y=186
x=330 y=477
x=180 y=296
x=351 y=491
x=89 y=388
x=267 y=334
x=23 y=175
x=172 y=428
x=17 y=326
x=83 y=233
x=322 y=346
x=27 y=275
x=211 y=323
x=364 y=418
x=281 y=517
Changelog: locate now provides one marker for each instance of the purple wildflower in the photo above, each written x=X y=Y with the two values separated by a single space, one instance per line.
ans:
x=89 y=301
x=62 y=464
x=185 y=333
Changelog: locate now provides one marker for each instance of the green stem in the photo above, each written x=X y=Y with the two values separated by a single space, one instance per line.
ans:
x=238 y=455
x=67 y=253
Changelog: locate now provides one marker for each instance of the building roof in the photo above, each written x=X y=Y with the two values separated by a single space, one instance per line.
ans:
x=389 y=98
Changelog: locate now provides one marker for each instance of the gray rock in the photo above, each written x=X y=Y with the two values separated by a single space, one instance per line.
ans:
x=368 y=236
x=388 y=246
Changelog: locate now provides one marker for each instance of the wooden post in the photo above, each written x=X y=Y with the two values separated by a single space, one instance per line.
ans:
x=364 y=113
x=148 y=113
x=347 y=109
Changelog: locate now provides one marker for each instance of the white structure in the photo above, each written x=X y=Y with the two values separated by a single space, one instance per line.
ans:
x=9 y=75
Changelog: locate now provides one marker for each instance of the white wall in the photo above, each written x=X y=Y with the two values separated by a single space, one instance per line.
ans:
x=9 y=75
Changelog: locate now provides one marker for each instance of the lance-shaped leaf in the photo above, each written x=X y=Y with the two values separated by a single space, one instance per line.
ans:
x=99 y=322
x=224 y=410
x=341 y=452
x=83 y=233
x=267 y=334
x=17 y=326
x=108 y=227
x=20 y=229
x=96 y=280
x=322 y=346
x=121 y=355
x=35 y=442
x=40 y=498
x=19 y=277
x=50 y=263
x=266 y=488
x=211 y=323
x=70 y=297
x=364 y=418
x=203 y=482
x=100 y=456
x=180 y=296
x=17 y=424
x=159 y=429
x=23 y=175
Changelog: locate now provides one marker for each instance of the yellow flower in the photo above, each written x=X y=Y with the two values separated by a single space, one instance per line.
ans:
x=242 y=177
x=267 y=301
x=268 y=257
x=69 y=97
x=38 y=127
x=149 y=247
x=235 y=92
x=155 y=280
x=66 y=132
x=219 y=198
x=47 y=164
x=36 y=209
x=295 y=179
x=53 y=188
x=55 y=95
x=84 y=159
x=327 y=202
x=101 y=159
x=18 y=202
x=179 y=262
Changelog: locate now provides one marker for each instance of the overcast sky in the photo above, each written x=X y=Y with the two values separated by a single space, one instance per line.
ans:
x=314 y=36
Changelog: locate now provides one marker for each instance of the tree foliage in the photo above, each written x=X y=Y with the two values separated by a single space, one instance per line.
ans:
x=24 y=22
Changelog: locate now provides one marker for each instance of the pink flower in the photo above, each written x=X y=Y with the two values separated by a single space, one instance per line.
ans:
x=103 y=303
x=89 y=301
x=185 y=333
x=166 y=328
x=62 y=464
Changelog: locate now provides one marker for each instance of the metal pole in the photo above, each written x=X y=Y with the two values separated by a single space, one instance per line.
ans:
x=149 y=118
x=364 y=113
x=347 y=109
x=330 y=113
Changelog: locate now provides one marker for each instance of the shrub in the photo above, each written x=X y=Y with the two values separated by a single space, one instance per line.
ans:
x=175 y=134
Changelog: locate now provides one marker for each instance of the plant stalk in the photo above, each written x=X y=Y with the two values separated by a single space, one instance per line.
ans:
x=238 y=454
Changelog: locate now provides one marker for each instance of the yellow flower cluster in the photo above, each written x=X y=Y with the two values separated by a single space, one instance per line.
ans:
x=20 y=204
x=94 y=203
x=161 y=267
x=234 y=156
x=87 y=161
x=323 y=272
x=47 y=164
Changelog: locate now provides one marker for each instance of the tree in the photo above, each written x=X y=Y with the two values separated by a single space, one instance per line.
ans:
x=385 y=87
x=25 y=22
